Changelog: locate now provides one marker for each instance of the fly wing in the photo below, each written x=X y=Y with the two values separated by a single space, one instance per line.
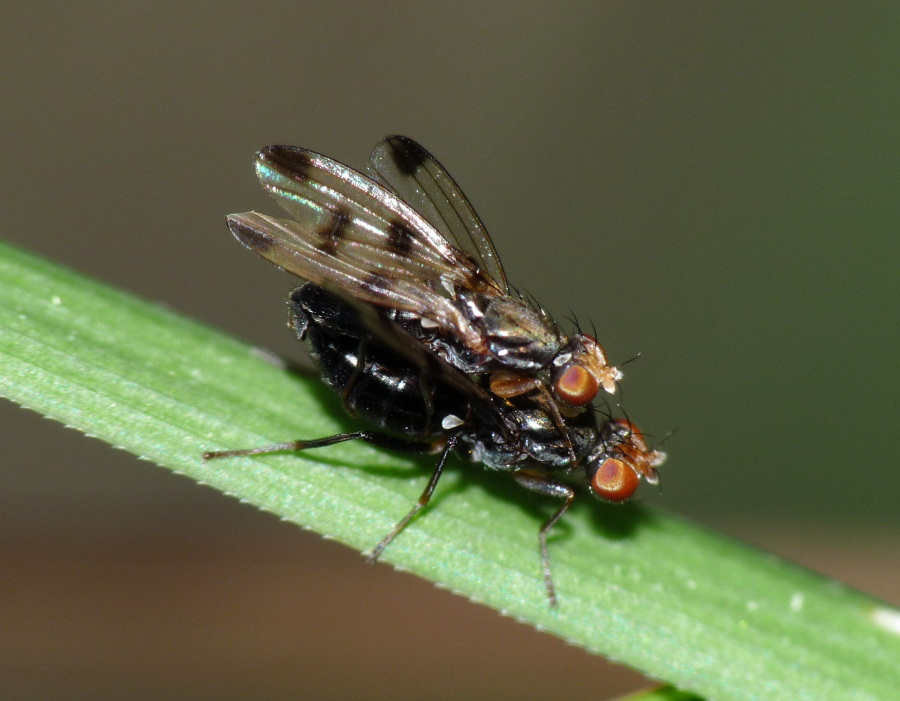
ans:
x=417 y=177
x=352 y=235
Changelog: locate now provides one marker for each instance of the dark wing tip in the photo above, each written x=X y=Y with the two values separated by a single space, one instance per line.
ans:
x=248 y=235
x=408 y=155
x=289 y=160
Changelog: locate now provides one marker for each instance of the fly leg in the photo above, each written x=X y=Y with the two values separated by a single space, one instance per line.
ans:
x=506 y=384
x=425 y=497
x=380 y=439
x=544 y=484
x=426 y=387
x=355 y=375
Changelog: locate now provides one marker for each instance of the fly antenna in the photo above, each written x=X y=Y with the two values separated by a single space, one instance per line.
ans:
x=631 y=359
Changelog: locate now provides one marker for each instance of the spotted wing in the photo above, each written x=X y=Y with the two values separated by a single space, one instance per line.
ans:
x=351 y=235
x=421 y=181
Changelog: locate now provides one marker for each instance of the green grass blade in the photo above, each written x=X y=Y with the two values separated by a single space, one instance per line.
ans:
x=680 y=603
x=663 y=693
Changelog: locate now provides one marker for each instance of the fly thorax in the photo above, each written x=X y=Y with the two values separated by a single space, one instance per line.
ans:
x=519 y=336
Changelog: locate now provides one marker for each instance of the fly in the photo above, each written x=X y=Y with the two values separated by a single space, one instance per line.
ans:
x=409 y=317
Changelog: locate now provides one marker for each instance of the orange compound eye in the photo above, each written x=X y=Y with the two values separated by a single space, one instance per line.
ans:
x=576 y=386
x=614 y=480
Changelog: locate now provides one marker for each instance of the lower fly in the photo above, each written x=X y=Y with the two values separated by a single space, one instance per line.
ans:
x=423 y=405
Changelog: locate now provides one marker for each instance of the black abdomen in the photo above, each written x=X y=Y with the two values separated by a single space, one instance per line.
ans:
x=375 y=382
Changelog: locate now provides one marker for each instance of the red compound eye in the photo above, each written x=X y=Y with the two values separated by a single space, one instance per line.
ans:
x=614 y=480
x=576 y=386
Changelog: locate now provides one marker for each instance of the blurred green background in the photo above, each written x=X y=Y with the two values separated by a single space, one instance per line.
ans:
x=712 y=185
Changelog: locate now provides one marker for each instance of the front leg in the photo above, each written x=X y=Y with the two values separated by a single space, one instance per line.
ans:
x=506 y=385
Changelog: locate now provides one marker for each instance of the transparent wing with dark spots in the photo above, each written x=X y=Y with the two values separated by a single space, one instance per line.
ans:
x=421 y=181
x=291 y=245
x=349 y=233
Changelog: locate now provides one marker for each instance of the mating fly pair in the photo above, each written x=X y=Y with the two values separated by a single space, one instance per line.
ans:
x=409 y=316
